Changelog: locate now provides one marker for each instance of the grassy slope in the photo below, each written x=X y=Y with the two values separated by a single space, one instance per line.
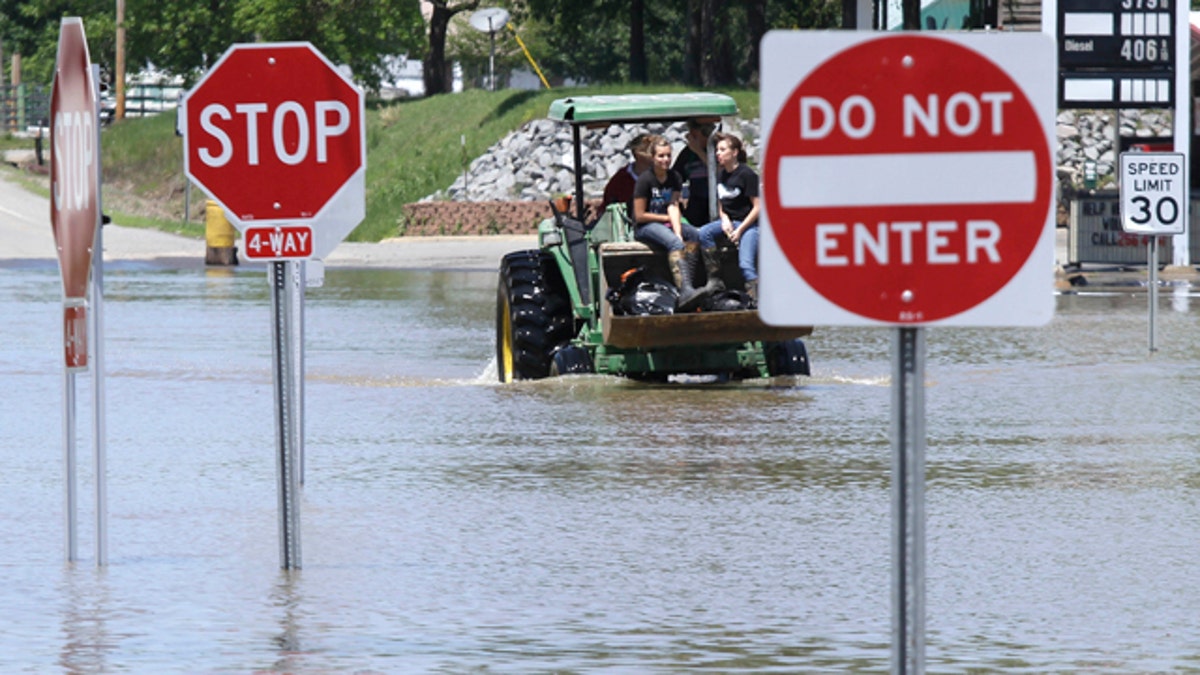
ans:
x=414 y=148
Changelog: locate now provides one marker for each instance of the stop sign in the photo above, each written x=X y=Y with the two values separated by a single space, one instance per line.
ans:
x=74 y=180
x=907 y=179
x=275 y=134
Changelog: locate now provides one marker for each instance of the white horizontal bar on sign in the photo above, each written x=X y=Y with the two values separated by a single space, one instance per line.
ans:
x=1137 y=90
x=822 y=181
x=1146 y=90
x=1087 y=89
x=1087 y=23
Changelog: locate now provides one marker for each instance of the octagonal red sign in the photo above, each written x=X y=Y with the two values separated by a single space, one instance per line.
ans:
x=907 y=178
x=275 y=133
x=74 y=181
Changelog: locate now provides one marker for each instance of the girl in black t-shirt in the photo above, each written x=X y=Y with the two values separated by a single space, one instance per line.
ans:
x=737 y=207
x=658 y=223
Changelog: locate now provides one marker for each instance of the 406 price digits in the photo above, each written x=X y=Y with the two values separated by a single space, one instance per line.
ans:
x=1145 y=50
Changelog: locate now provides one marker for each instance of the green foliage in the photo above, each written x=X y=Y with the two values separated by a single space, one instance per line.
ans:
x=198 y=34
x=585 y=40
x=415 y=148
x=804 y=14
x=359 y=33
x=589 y=40
x=184 y=37
x=142 y=152
x=30 y=27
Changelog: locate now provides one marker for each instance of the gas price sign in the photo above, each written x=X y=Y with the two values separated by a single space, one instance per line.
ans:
x=1121 y=34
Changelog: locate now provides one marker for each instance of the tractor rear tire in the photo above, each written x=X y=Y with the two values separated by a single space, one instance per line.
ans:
x=533 y=315
x=789 y=357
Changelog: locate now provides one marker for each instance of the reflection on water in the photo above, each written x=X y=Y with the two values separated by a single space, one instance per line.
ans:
x=86 y=605
x=452 y=524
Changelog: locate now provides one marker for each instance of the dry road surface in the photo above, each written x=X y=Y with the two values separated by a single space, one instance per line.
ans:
x=25 y=234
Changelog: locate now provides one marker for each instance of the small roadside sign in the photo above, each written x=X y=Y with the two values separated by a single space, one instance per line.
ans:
x=1154 y=195
x=294 y=242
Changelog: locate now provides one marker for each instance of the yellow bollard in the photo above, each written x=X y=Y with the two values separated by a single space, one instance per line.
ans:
x=219 y=235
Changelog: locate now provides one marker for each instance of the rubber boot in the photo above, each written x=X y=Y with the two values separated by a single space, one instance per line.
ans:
x=752 y=292
x=712 y=266
x=681 y=268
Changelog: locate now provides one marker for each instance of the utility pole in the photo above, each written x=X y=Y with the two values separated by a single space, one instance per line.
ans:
x=119 y=76
x=911 y=10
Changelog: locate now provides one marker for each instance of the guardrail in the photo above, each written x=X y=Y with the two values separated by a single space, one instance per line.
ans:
x=23 y=106
x=146 y=99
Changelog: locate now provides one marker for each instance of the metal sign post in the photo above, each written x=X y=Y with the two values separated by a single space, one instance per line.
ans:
x=99 y=443
x=1152 y=263
x=1154 y=201
x=70 y=498
x=908 y=500
x=299 y=282
x=283 y=353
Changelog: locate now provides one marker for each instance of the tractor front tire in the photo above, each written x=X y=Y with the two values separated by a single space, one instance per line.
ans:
x=789 y=357
x=533 y=315
x=570 y=360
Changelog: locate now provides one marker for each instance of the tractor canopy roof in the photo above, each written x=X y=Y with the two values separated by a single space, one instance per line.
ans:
x=598 y=111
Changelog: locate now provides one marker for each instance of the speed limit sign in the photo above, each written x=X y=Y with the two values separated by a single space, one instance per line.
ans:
x=1153 y=192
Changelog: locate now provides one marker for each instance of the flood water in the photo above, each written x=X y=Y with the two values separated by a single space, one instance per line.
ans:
x=452 y=525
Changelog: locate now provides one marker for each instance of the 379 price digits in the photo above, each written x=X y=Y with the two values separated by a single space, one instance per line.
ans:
x=1145 y=4
x=1143 y=50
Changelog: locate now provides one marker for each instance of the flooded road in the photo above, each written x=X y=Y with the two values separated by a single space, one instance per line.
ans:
x=451 y=524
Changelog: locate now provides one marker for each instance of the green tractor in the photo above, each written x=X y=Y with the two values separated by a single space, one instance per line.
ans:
x=553 y=315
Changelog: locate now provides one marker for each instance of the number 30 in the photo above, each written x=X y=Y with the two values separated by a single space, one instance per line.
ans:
x=1166 y=209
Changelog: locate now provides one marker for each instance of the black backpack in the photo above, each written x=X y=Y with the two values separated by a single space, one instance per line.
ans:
x=642 y=295
x=728 y=300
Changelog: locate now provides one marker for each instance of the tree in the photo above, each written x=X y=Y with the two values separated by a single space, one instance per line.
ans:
x=30 y=28
x=199 y=34
x=756 y=28
x=691 y=60
x=912 y=14
x=359 y=33
x=638 y=71
x=437 y=75
x=665 y=44
x=608 y=40
x=710 y=73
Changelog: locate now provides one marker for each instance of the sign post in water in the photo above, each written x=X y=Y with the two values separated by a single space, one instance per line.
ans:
x=276 y=134
x=1154 y=200
x=907 y=183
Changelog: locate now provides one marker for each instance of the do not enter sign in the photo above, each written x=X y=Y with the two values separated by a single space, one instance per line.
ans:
x=907 y=179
